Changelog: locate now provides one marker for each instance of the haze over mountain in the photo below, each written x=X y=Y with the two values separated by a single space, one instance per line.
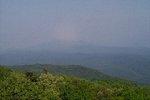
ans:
x=26 y=24
x=112 y=36
x=75 y=49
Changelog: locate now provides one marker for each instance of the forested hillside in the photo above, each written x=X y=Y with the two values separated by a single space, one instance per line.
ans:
x=18 y=85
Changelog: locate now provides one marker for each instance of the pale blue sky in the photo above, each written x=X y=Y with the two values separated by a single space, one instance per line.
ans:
x=29 y=23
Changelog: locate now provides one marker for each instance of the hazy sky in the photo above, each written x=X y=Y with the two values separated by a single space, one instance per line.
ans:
x=29 y=23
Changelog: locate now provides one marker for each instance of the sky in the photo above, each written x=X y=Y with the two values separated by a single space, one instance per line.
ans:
x=31 y=23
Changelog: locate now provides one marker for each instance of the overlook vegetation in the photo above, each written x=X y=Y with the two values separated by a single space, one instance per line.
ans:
x=18 y=85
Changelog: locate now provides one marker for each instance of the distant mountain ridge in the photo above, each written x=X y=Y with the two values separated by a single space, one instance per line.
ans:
x=123 y=62
x=70 y=70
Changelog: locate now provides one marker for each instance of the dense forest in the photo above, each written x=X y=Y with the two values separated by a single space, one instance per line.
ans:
x=27 y=85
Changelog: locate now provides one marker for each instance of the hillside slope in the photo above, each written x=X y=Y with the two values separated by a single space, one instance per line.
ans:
x=71 y=70
x=16 y=85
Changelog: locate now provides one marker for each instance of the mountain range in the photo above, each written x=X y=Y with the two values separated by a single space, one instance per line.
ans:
x=122 y=62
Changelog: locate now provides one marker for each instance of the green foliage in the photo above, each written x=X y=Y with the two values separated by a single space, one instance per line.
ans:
x=4 y=72
x=15 y=85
